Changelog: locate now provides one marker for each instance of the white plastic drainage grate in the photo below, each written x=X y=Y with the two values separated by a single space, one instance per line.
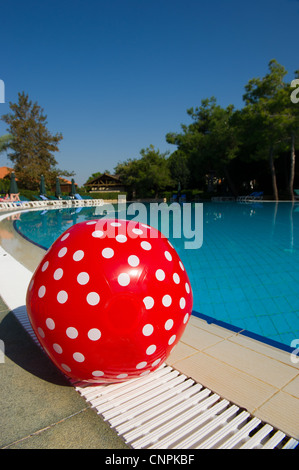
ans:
x=167 y=410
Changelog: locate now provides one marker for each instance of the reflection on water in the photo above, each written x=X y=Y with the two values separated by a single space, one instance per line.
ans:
x=245 y=273
x=275 y=223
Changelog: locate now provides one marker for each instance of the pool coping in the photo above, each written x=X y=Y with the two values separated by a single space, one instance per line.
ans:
x=262 y=378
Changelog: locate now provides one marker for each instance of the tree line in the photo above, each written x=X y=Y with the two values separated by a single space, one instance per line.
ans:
x=232 y=150
x=240 y=149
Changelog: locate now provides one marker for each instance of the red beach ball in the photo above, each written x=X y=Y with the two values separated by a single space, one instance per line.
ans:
x=109 y=300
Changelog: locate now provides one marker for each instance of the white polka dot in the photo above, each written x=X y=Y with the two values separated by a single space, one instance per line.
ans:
x=121 y=376
x=115 y=224
x=65 y=237
x=156 y=362
x=97 y=233
x=65 y=367
x=160 y=274
x=166 y=300
x=146 y=372
x=168 y=324
x=92 y=222
x=31 y=284
x=78 y=255
x=146 y=246
x=181 y=266
x=148 y=302
x=107 y=253
x=137 y=231
x=123 y=279
x=133 y=261
x=141 y=365
x=62 y=252
x=41 y=291
x=71 y=332
x=182 y=302
x=151 y=349
x=50 y=323
x=57 y=348
x=172 y=339
x=78 y=357
x=83 y=278
x=187 y=287
x=148 y=329
x=121 y=238
x=94 y=334
x=93 y=298
x=62 y=296
x=58 y=274
x=41 y=332
x=98 y=373
x=176 y=278
x=186 y=318
x=168 y=255
x=45 y=265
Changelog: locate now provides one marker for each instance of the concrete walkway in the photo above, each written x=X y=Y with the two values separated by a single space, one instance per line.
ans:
x=39 y=408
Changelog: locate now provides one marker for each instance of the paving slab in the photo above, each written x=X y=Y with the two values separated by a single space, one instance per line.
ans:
x=39 y=407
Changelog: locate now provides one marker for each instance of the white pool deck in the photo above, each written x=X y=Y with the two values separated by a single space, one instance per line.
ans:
x=262 y=379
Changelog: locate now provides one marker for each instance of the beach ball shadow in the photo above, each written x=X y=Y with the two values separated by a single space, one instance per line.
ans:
x=22 y=350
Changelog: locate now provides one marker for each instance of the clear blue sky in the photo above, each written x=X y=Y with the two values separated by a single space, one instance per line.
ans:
x=115 y=76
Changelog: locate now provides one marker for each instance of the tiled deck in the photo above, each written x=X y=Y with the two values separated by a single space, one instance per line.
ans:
x=260 y=378
x=253 y=375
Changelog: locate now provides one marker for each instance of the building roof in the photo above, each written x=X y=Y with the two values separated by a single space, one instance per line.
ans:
x=5 y=171
x=65 y=181
x=99 y=179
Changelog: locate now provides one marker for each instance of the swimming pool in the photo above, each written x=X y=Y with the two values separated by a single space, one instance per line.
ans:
x=244 y=275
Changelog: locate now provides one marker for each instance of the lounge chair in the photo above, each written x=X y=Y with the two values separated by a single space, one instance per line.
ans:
x=39 y=202
x=78 y=200
x=11 y=198
x=25 y=202
x=15 y=197
x=255 y=196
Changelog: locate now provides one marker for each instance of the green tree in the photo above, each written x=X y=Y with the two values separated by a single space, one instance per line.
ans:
x=179 y=168
x=148 y=175
x=291 y=117
x=270 y=120
x=32 y=145
x=209 y=142
x=93 y=176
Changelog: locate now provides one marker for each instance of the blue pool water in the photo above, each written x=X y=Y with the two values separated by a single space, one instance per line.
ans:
x=245 y=274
